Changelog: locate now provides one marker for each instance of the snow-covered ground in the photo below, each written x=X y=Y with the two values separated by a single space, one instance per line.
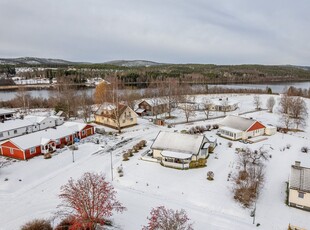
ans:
x=32 y=187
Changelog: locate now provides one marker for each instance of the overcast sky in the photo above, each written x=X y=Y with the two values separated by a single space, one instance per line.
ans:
x=173 y=31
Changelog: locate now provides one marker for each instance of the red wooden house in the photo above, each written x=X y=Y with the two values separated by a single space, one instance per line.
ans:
x=31 y=145
x=81 y=130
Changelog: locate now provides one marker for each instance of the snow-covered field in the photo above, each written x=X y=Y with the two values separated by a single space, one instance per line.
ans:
x=32 y=186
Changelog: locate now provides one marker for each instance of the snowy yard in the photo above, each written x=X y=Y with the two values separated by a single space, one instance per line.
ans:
x=32 y=186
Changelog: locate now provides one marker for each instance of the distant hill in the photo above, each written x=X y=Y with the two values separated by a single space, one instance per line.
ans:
x=34 y=61
x=133 y=63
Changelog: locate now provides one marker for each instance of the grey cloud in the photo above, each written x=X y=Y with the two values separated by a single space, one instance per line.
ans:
x=220 y=32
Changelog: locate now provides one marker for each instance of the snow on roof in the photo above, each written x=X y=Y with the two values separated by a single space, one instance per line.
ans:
x=41 y=137
x=153 y=102
x=55 y=117
x=237 y=123
x=300 y=178
x=222 y=101
x=140 y=110
x=230 y=129
x=35 y=119
x=76 y=126
x=14 y=124
x=211 y=139
x=173 y=154
x=6 y=111
x=179 y=142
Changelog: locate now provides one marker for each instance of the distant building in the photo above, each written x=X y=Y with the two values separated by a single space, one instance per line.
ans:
x=223 y=104
x=110 y=116
x=237 y=128
x=149 y=107
x=299 y=187
x=6 y=114
x=178 y=150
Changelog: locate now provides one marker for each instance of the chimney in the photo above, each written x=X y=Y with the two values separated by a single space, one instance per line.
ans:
x=297 y=163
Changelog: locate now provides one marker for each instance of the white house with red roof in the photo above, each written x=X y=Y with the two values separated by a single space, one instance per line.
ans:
x=240 y=128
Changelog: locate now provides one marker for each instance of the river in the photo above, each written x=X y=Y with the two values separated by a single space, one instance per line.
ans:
x=276 y=88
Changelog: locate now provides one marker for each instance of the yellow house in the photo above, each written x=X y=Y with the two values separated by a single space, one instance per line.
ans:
x=115 y=117
x=299 y=187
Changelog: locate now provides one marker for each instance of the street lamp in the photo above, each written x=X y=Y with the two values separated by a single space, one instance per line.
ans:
x=73 y=153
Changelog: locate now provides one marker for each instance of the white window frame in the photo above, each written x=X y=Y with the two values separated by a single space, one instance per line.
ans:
x=32 y=150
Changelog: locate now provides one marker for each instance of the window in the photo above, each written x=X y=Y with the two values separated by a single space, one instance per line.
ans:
x=32 y=150
x=58 y=142
x=83 y=132
x=301 y=195
x=67 y=139
x=15 y=131
x=11 y=151
x=1 y=134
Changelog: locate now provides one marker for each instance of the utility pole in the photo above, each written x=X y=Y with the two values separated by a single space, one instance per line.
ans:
x=111 y=165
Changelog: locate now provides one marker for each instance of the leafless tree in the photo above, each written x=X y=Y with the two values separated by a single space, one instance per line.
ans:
x=251 y=177
x=285 y=104
x=188 y=107
x=225 y=105
x=206 y=103
x=286 y=120
x=171 y=97
x=298 y=111
x=257 y=102
x=270 y=104
x=86 y=106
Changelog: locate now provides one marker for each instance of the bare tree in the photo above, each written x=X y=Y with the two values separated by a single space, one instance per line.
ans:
x=251 y=177
x=225 y=105
x=89 y=201
x=167 y=219
x=257 y=102
x=86 y=106
x=286 y=120
x=298 y=111
x=285 y=104
x=270 y=104
x=188 y=107
x=206 y=103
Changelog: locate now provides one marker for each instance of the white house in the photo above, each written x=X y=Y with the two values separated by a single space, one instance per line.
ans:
x=29 y=124
x=41 y=121
x=17 y=127
x=237 y=128
x=223 y=104
x=178 y=150
x=299 y=187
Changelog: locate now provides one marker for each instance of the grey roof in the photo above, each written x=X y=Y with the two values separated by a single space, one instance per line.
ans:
x=300 y=178
x=6 y=111
x=178 y=142
x=236 y=122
